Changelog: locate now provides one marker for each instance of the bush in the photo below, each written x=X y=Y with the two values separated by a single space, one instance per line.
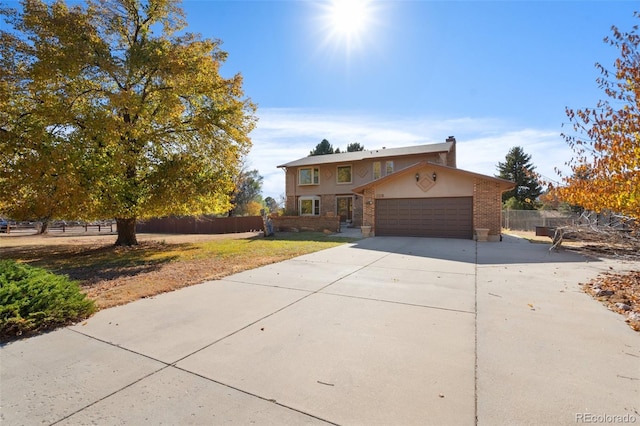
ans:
x=34 y=300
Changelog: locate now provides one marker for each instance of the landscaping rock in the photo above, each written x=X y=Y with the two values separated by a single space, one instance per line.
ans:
x=623 y=306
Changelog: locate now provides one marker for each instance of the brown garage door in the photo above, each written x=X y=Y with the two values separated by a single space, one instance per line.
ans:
x=425 y=217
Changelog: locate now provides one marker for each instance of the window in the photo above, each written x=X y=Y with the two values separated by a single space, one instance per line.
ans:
x=344 y=174
x=309 y=206
x=377 y=170
x=309 y=176
x=389 y=167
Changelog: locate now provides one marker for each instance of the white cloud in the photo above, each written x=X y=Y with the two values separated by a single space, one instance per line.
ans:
x=284 y=135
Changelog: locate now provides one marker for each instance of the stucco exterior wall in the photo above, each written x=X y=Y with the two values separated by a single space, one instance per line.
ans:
x=447 y=184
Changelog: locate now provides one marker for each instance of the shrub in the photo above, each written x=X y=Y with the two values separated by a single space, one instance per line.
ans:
x=34 y=300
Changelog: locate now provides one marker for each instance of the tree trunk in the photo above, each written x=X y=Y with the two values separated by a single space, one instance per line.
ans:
x=126 y=232
x=44 y=227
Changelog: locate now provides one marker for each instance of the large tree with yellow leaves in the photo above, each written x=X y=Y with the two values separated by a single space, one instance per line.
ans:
x=606 y=165
x=108 y=110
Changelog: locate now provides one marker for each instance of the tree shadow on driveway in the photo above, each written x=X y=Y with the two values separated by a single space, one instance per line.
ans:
x=511 y=250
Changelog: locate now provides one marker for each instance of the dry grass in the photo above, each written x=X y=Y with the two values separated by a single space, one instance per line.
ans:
x=160 y=263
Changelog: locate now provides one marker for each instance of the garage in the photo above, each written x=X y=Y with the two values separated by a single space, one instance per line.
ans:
x=445 y=217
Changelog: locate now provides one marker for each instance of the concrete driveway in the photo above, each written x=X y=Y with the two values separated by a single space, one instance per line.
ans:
x=392 y=331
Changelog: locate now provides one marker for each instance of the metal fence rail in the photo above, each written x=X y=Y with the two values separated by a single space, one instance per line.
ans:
x=527 y=220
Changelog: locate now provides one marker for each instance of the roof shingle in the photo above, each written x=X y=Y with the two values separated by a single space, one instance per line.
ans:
x=344 y=157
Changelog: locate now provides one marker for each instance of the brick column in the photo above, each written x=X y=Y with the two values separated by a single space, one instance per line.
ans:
x=358 y=211
x=369 y=208
x=487 y=207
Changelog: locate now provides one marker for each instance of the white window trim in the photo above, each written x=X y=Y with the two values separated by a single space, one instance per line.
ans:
x=314 y=199
x=313 y=173
x=350 y=174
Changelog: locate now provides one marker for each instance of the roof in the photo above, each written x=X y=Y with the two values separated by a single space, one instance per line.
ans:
x=505 y=184
x=345 y=157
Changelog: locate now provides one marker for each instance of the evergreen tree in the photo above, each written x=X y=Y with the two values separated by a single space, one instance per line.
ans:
x=355 y=146
x=519 y=169
x=324 y=147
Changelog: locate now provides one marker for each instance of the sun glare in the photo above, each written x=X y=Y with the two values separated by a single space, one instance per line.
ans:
x=346 y=22
x=348 y=17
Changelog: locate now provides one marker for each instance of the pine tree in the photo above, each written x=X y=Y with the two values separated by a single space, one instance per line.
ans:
x=519 y=169
x=324 y=147
x=355 y=146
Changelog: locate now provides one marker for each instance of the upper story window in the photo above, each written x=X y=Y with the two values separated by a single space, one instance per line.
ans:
x=389 y=167
x=343 y=174
x=308 y=176
x=377 y=170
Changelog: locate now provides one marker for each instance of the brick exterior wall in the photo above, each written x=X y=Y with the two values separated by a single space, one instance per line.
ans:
x=306 y=223
x=487 y=207
x=290 y=205
x=369 y=209
x=327 y=205
x=357 y=211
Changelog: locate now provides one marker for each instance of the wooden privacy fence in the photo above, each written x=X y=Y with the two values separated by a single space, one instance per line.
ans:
x=201 y=225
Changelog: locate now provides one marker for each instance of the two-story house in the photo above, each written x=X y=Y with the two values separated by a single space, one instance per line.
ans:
x=413 y=191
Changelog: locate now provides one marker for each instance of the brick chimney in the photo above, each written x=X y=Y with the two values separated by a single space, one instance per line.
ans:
x=451 y=155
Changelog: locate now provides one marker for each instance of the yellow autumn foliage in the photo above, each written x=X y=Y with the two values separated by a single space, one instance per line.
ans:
x=107 y=110
x=606 y=165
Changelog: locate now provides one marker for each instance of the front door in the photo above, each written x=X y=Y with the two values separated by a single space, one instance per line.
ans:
x=345 y=209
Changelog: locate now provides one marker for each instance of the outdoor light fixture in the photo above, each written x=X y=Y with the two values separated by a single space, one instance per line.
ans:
x=417 y=177
x=434 y=176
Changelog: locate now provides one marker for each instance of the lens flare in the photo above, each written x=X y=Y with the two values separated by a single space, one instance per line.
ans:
x=346 y=22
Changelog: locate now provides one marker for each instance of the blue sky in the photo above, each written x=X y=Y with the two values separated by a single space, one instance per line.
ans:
x=495 y=74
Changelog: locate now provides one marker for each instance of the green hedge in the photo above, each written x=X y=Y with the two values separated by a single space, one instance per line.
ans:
x=34 y=300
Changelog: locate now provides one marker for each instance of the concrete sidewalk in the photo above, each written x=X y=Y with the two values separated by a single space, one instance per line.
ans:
x=382 y=331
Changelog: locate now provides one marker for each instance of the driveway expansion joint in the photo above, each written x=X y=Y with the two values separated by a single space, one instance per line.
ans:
x=254 y=395
x=417 y=305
